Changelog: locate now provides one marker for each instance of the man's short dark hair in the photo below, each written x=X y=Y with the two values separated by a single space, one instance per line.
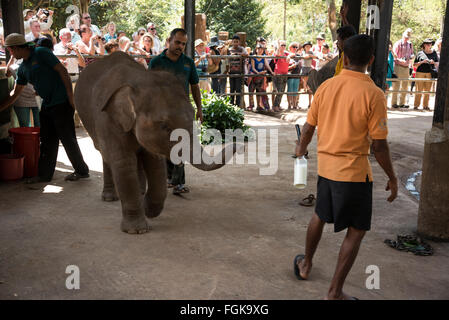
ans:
x=45 y=42
x=175 y=31
x=346 y=32
x=236 y=37
x=359 y=49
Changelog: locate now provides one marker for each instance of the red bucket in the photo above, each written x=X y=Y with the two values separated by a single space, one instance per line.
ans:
x=26 y=143
x=11 y=167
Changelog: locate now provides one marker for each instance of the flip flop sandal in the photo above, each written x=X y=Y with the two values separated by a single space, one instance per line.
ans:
x=178 y=191
x=309 y=201
x=170 y=185
x=296 y=270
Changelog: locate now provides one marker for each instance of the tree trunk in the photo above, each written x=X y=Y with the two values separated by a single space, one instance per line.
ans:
x=332 y=15
x=285 y=20
x=84 y=6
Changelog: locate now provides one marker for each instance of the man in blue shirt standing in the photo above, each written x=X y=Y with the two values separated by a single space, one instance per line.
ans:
x=175 y=61
x=52 y=83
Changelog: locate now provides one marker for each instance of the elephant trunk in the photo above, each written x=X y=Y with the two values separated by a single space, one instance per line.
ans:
x=196 y=152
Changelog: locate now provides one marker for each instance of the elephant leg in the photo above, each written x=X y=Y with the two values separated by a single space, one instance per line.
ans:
x=156 y=172
x=109 y=193
x=141 y=174
x=127 y=185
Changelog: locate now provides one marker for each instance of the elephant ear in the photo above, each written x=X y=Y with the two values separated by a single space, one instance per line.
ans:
x=120 y=105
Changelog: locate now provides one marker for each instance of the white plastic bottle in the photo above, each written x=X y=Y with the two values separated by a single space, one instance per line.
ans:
x=300 y=177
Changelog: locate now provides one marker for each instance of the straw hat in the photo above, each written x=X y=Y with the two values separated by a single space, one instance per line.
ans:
x=198 y=42
x=25 y=12
x=321 y=36
x=15 y=39
x=429 y=41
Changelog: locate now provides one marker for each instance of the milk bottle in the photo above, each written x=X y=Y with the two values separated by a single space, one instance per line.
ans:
x=300 y=176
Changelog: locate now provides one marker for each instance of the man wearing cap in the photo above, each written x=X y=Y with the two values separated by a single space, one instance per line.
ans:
x=175 y=61
x=51 y=82
x=403 y=52
x=426 y=63
x=214 y=46
x=318 y=47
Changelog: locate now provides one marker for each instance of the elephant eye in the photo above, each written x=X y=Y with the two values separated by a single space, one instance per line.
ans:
x=165 y=127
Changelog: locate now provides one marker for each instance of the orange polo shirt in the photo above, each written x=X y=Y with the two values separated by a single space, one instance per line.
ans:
x=349 y=110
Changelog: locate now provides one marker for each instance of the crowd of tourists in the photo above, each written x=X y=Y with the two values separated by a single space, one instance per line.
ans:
x=275 y=66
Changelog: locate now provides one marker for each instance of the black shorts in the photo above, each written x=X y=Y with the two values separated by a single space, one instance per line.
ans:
x=345 y=204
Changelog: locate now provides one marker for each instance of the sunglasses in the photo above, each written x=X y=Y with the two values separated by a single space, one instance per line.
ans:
x=86 y=17
x=283 y=45
x=141 y=34
x=152 y=28
x=294 y=47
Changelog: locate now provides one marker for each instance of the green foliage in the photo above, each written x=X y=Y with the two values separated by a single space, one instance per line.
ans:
x=129 y=15
x=220 y=114
x=424 y=17
x=305 y=19
x=235 y=16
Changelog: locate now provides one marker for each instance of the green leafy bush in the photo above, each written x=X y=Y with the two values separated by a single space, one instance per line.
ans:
x=220 y=114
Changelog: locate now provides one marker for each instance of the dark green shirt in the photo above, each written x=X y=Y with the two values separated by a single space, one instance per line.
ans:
x=184 y=68
x=38 y=70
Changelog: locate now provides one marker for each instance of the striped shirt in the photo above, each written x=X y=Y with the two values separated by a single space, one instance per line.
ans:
x=403 y=50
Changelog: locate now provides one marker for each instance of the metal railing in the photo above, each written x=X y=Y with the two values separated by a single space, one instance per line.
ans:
x=242 y=92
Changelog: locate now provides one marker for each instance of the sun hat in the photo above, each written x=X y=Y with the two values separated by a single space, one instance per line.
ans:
x=428 y=40
x=16 y=39
x=321 y=36
x=25 y=12
x=214 y=42
x=198 y=42
x=308 y=43
x=407 y=33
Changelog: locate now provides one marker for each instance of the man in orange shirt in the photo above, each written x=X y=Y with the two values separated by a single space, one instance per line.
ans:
x=349 y=111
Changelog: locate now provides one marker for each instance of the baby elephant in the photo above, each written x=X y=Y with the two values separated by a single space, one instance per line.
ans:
x=130 y=113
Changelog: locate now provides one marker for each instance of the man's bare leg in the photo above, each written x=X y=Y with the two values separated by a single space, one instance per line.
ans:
x=348 y=254
x=314 y=232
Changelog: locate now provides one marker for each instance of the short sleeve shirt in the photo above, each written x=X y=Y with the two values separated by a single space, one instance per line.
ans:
x=184 y=68
x=39 y=70
x=349 y=111
x=426 y=67
x=281 y=65
x=236 y=64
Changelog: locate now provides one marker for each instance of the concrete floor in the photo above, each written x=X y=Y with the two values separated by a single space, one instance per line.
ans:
x=233 y=237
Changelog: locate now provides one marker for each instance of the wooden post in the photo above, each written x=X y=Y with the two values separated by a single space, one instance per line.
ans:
x=12 y=12
x=189 y=22
x=379 y=23
x=433 y=215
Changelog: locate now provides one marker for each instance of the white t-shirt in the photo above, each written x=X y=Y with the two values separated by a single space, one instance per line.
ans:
x=72 y=63
x=30 y=37
x=95 y=30
x=157 y=45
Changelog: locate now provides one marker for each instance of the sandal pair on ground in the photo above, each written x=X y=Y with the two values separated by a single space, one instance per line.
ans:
x=297 y=271
x=177 y=190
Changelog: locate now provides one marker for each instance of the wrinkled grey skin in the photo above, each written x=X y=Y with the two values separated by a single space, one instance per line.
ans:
x=129 y=113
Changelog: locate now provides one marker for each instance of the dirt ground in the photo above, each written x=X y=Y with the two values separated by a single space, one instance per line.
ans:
x=233 y=237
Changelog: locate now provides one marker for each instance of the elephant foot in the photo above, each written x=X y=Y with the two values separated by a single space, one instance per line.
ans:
x=109 y=196
x=135 y=226
x=153 y=210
